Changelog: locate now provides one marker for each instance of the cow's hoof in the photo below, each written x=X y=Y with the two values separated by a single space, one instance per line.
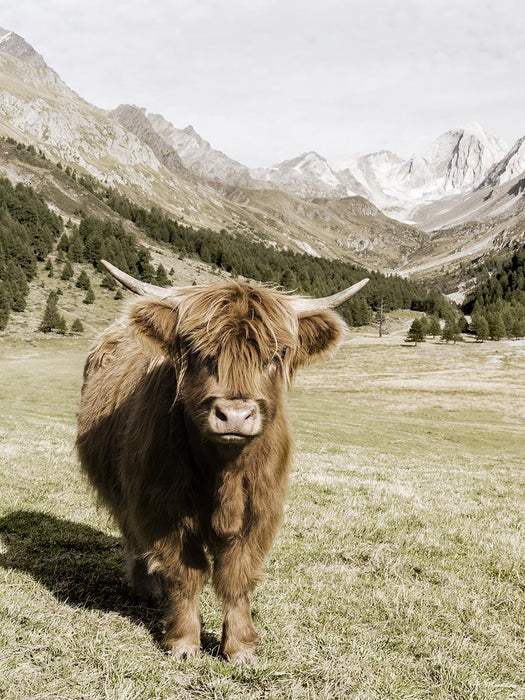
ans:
x=242 y=655
x=183 y=648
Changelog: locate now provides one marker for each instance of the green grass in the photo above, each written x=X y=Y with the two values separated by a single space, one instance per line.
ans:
x=398 y=572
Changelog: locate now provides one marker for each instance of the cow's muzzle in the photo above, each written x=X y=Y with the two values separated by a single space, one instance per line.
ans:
x=234 y=420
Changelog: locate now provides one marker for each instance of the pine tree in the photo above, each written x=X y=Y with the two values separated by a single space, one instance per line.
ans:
x=5 y=305
x=49 y=267
x=496 y=325
x=415 y=332
x=90 y=296
x=108 y=282
x=77 y=326
x=18 y=286
x=161 y=276
x=118 y=294
x=83 y=281
x=425 y=324
x=481 y=328
x=434 y=327
x=450 y=330
x=52 y=319
x=75 y=251
x=67 y=271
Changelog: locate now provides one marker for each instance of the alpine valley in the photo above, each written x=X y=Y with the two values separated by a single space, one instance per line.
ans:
x=456 y=201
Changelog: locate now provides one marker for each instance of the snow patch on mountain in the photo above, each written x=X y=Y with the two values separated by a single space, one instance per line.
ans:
x=454 y=163
x=308 y=175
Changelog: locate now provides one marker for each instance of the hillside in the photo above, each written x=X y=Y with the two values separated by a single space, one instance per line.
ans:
x=51 y=255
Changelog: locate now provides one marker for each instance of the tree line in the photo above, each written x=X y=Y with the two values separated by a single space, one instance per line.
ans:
x=497 y=301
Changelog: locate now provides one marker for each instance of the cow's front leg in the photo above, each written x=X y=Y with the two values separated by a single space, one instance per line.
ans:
x=183 y=627
x=235 y=574
x=185 y=570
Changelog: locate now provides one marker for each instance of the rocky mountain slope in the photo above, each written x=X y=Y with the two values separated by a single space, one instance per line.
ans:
x=198 y=155
x=14 y=45
x=465 y=190
x=432 y=189
x=124 y=150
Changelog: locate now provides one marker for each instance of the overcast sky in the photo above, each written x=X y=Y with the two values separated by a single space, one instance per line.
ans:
x=265 y=80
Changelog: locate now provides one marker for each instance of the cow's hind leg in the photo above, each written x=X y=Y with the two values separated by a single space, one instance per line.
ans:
x=236 y=572
x=148 y=585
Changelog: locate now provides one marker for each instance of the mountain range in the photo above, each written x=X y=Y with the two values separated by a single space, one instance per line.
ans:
x=457 y=199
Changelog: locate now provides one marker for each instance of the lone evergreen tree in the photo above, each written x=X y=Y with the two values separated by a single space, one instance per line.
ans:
x=83 y=281
x=90 y=296
x=161 y=276
x=63 y=243
x=77 y=326
x=67 y=271
x=416 y=332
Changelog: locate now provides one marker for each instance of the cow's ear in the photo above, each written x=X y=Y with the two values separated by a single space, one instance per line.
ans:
x=319 y=332
x=155 y=323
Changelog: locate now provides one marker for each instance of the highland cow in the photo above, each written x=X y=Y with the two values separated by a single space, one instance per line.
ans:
x=183 y=432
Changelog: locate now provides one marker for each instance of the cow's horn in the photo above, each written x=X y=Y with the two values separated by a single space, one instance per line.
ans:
x=134 y=285
x=305 y=306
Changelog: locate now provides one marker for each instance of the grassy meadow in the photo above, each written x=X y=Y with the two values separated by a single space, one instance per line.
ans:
x=399 y=571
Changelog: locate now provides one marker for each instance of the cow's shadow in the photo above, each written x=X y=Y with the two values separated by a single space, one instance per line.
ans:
x=81 y=566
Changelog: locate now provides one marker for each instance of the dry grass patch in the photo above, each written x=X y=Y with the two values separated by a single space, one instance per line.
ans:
x=398 y=573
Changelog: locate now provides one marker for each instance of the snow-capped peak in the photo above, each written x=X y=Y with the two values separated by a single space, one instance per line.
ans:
x=308 y=175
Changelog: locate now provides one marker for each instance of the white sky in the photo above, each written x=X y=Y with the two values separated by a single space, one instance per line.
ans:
x=265 y=80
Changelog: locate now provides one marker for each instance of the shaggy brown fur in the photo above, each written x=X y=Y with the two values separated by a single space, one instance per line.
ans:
x=156 y=385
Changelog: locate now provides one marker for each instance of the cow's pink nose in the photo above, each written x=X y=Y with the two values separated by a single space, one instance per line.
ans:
x=235 y=417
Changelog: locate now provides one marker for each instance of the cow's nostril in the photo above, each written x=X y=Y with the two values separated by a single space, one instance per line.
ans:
x=220 y=415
